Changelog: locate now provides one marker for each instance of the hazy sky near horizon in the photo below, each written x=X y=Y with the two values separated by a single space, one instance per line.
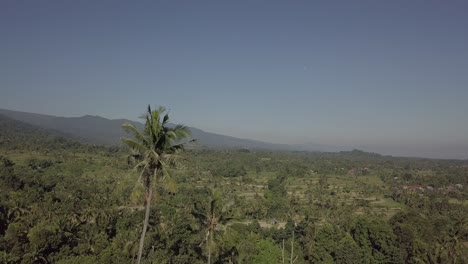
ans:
x=354 y=73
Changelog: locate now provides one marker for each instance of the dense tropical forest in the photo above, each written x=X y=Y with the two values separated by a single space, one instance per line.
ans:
x=67 y=202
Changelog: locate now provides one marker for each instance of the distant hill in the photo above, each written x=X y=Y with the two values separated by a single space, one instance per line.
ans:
x=15 y=134
x=88 y=129
x=102 y=131
x=99 y=130
x=213 y=140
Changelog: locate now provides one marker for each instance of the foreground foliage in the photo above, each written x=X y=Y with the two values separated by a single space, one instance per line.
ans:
x=81 y=204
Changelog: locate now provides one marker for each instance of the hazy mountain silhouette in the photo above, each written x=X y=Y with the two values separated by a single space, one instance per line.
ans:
x=99 y=130
x=88 y=129
x=15 y=134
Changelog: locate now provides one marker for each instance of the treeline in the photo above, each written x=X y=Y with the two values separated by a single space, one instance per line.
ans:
x=47 y=218
x=52 y=211
x=66 y=202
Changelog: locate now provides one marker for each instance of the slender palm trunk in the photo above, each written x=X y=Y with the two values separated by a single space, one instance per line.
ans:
x=209 y=247
x=292 y=247
x=149 y=194
x=282 y=253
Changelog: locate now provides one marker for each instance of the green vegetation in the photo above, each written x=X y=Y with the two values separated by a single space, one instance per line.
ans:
x=66 y=202
x=153 y=151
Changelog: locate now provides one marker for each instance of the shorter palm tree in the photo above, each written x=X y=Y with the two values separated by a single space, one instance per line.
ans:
x=211 y=218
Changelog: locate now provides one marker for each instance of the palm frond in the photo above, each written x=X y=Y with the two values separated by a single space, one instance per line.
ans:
x=140 y=177
x=201 y=219
x=165 y=172
x=181 y=131
x=170 y=185
x=166 y=118
x=161 y=110
x=172 y=160
x=199 y=214
x=142 y=165
x=152 y=154
x=133 y=158
x=212 y=206
x=131 y=128
x=177 y=147
x=225 y=219
x=171 y=134
x=134 y=145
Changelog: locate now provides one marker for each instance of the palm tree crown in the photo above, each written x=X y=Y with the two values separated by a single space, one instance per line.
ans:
x=154 y=148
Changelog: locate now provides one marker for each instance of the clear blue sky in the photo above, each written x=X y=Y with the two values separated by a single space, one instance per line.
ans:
x=387 y=76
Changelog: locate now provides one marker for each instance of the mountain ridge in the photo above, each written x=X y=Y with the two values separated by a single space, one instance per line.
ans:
x=94 y=129
x=100 y=130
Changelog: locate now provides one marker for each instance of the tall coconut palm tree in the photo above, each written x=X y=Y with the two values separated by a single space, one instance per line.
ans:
x=153 y=151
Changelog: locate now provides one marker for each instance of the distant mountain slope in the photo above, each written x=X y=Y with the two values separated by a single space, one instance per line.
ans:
x=103 y=131
x=89 y=129
x=99 y=130
x=15 y=134
x=221 y=141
